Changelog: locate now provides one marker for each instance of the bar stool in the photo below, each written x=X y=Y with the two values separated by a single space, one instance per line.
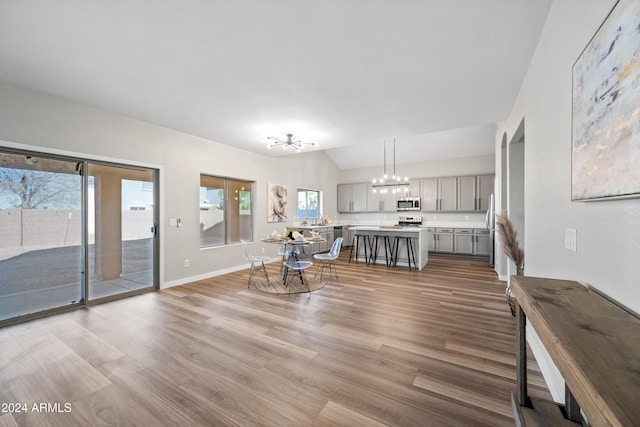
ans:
x=359 y=239
x=387 y=248
x=409 y=245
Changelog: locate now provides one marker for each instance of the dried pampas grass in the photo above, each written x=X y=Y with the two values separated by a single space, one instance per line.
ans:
x=511 y=248
x=509 y=240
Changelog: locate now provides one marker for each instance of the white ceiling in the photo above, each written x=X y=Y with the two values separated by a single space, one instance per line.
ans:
x=346 y=74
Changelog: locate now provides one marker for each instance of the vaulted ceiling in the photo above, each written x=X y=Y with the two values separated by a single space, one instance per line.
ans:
x=346 y=74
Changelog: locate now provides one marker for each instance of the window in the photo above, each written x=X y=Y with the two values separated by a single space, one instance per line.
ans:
x=308 y=204
x=226 y=213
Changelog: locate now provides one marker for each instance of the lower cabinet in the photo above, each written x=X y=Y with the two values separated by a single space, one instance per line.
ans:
x=347 y=237
x=464 y=241
x=324 y=232
x=444 y=240
x=481 y=242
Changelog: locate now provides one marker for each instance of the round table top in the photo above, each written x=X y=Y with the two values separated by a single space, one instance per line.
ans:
x=293 y=241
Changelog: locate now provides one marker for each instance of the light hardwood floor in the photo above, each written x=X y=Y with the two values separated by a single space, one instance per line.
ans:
x=379 y=347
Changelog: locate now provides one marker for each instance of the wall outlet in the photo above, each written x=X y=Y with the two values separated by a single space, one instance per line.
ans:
x=186 y=263
x=571 y=239
x=262 y=250
x=466 y=217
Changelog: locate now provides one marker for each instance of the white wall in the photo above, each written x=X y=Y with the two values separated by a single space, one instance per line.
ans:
x=36 y=121
x=608 y=241
x=478 y=165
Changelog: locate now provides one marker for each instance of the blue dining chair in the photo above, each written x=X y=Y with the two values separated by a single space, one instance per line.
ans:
x=326 y=260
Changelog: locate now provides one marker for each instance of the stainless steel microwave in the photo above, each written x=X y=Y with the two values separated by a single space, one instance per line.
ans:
x=408 y=204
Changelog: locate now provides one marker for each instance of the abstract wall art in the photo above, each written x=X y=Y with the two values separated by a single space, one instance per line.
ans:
x=277 y=203
x=606 y=109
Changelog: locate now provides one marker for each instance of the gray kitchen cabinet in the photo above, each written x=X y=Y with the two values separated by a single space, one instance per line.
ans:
x=444 y=240
x=447 y=193
x=485 y=186
x=389 y=200
x=429 y=194
x=474 y=191
x=481 y=242
x=414 y=188
x=345 y=195
x=327 y=234
x=463 y=241
x=438 y=194
x=381 y=201
x=467 y=193
x=431 y=239
x=347 y=236
x=324 y=232
x=352 y=197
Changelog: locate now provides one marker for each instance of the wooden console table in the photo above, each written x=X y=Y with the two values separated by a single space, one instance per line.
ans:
x=595 y=344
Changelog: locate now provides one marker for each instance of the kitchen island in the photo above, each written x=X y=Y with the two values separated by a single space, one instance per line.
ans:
x=419 y=239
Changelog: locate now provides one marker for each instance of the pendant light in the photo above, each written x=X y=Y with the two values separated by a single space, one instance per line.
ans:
x=396 y=183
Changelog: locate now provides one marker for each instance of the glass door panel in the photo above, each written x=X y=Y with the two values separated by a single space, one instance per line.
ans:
x=121 y=230
x=40 y=234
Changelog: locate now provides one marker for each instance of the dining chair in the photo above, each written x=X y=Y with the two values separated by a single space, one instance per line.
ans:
x=284 y=253
x=297 y=269
x=257 y=263
x=326 y=261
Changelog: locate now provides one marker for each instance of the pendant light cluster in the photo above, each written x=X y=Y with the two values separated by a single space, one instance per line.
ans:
x=396 y=184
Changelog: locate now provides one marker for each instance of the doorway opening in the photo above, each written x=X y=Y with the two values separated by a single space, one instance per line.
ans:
x=61 y=217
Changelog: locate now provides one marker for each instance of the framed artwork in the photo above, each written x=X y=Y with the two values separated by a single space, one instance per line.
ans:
x=605 y=149
x=277 y=203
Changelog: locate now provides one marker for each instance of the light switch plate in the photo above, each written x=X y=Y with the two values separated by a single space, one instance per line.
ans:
x=571 y=239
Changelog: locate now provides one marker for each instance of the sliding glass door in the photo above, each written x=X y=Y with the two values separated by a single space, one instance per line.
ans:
x=40 y=234
x=60 y=217
x=121 y=230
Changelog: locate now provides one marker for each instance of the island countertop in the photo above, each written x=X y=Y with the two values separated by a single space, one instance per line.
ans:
x=418 y=235
x=389 y=228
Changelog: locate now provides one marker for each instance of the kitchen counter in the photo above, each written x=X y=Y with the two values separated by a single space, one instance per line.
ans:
x=454 y=224
x=418 y=237
x=311 y=227
x=386 y=228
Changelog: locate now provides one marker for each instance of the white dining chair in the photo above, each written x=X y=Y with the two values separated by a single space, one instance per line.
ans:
x=257 y=263
x=326 y=261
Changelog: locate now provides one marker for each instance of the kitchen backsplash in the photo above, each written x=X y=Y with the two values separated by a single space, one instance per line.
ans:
x=428 y=218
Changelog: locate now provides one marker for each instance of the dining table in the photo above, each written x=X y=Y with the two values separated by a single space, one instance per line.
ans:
x=292 y=249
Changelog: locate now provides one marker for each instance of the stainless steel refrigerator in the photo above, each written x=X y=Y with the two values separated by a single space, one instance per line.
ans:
x=491 y=226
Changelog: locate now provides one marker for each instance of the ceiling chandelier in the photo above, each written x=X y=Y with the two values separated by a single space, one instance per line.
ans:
x=290 y=142
x=395 y=183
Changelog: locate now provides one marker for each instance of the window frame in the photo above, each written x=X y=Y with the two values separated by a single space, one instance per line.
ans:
x=307 y=191
x=226 y=204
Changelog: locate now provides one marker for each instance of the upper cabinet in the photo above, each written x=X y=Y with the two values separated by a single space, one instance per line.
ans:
x=429 y=194
x=438 y=194
x=467 y=193
x=442 y=194
x=381 y=201
x=486 y=187
x=474 y=191
x=352 y=197
x=447 y=188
